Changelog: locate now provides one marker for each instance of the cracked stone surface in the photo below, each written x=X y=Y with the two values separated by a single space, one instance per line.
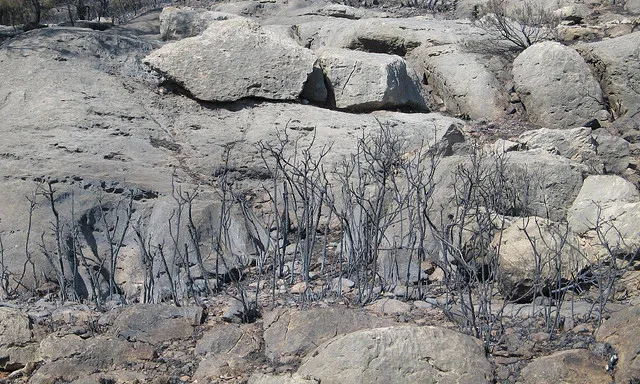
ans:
x=404 y=354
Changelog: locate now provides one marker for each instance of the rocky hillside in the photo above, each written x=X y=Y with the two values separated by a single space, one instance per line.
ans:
x=306 y=192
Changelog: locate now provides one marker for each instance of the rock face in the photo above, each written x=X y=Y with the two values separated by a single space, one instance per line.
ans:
x=298 y=332
x=461 y=81
x=534 y=254
x=613 y=205
x=399 y=355
x=178 y=23
x=254 y=63
x=15 y=338
x=598 y=150
x=621 y=331
x=617 y=60
x=155 y=324
x=368 y=81
x=228 y=338
x=556 y=86
x=572 y=366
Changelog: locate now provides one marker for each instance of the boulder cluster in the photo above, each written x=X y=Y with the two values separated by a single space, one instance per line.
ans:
x=303 y=192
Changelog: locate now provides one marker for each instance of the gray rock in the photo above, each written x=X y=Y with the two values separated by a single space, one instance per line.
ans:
x=298 y=332
x=617 y=61
x=389 y=307
x=406 y=354
x=621 y=332
x=260 y=64
x=556 y=86
x=261 y=378
x=598 y=150
x=178 y=23
x=367 y=81
x=16 y=349
x=465 y=85
x=530 y=250
x=614 y=151
x=632 y=6
x=572 y=366
x=154 y=324
x=611 y=205
x=228 y=338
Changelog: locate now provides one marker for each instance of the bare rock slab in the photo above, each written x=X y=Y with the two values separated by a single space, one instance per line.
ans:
x=155 y=323
x=621 y=331
x=298 y=332
x=179 y=23
x=405 y=354
x=617 y=60
x=15 y=338
x=572 y=366
x=557 y=87
x=368 y=81
x=611 y=205
x=234 y=59
x=465 y=85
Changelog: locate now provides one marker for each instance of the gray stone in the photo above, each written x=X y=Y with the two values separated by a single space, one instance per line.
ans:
x=617 y=61
x=367 y=81
x=15 y=338
x=407 y=354
x=178 y=23
x=298 y=332
x=261 y=378
x=154 y=323
x=215 y=67
x=465 y=85
x=614 y=152
x=621 y=332
x=228 y=338
x=530 y=250
x=611 y=205
x=556 y=86
x=572 y=366
x=389 y=307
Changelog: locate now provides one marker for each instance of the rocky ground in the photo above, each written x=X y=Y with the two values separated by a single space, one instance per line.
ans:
x=459 y=210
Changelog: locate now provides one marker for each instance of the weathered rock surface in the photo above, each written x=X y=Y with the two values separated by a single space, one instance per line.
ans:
x=572 y=366
x=611 y=205
x=156 y=323
x=389 y=307
x=16 y=349
x=70 y=357
x=530 y=250
x=256 y=63
x=465 y=85
x=368 y=81
x=556 y=86
x=178 y=23
x=617 y=61
x=261 y=378
x=399 y=355
x=621 y=331
x=229 y=338
x=298 y=332
x=598 y=150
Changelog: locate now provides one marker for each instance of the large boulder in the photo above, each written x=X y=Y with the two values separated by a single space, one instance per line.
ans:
x=298 y=332
x=621 y=331
x=572 y=366
x=557 y=87
x=544 y=184
x=178 y=23
x=598 y=150
x=464 y=84
x=406 y=354
x=607 y=208
x=367 y=81
x=154 y=324
x=535 y=254
x=16 y=349
x=234 y=59
x=617 y=61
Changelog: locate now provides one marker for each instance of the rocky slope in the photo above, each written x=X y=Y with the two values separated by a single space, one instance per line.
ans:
x=173 y=189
